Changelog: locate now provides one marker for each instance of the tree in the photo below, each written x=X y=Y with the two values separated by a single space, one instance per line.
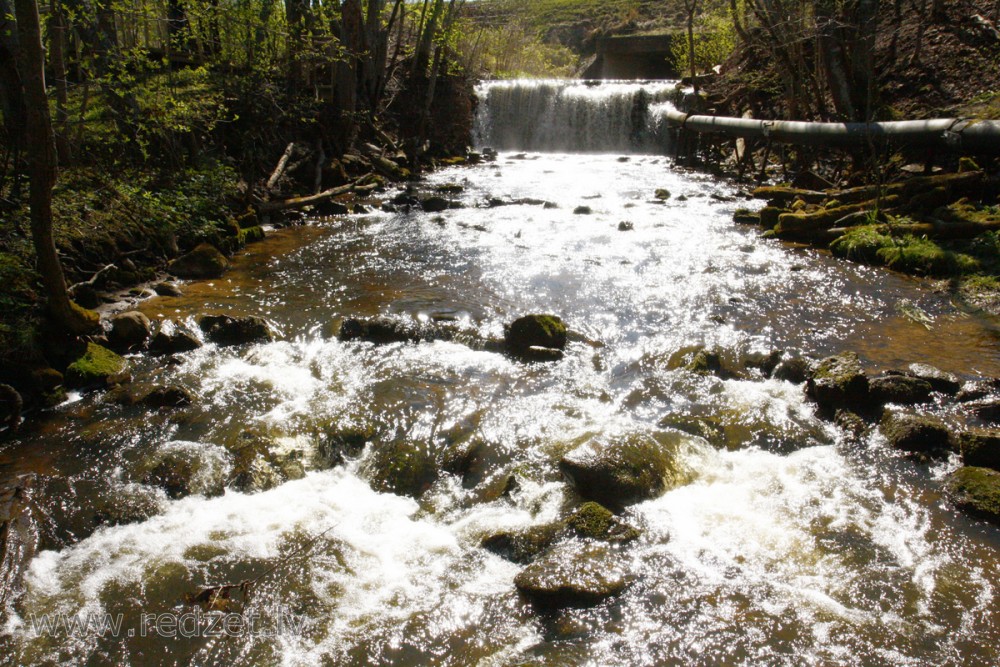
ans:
x=40 y=140
x=691 y=7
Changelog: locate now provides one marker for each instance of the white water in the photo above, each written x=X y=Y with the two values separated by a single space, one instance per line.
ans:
x=606 y=116
x=796 y=547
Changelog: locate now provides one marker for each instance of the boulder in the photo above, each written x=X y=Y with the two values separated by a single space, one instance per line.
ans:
x=899 y=389
x=916 y=433
x=522 y=546
x=572 y=575
x=582 y=210
x=839 y=382
x=173 y=339
x=986 y=409
x=129 y=331
x=977 y=492
x=980 y=448
x=205 y=261
x=625 y=226
x=546 y=331
x=167 y=289
x=183 y=469
x=338 y=445
x=978 y=389
x=597 y=522
x=946 y=383
x=227 y=330
x=436 y=204
x=662 y=194
x=403 y=467
x=94 y=368
x=625 y=468
x=705 y=362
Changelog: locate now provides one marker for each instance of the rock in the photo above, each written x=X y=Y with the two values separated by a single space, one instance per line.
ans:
x=597 y=522
x=839 y=382
x=980 y=448
x=402 y=467
x=705 y=362
x=226 y=330
x=253 y=234
x=339 y=445
x=916 y=433
x=94 y=368
x=625 y=226
x=326 y=208
x=183 y=469
x=522 y=546
x=794 y=369
x=899 y=389
x=572 y=576
x=977 y=492
x=205 y=261
x=20 y=536
x=663 y=194
x=173 y=339
x=582 y=210
x=168 y=397
x=627 y=468
x=986 y=409
x=129 y=331
x=257 y=464
x=765 y=362
x=855 y=426
x=167 y=289
x=435 y=204
x=547 y=331
x=978 y=389
x=946 y=383
x=380 y=330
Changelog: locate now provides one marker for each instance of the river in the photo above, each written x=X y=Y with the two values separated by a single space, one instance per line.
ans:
x=790 y=543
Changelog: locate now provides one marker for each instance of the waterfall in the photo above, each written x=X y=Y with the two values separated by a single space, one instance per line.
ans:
x=574 y=116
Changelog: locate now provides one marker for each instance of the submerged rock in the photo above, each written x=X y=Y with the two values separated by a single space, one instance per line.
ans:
x=129 y=331
x=625 y=226
x=205 y=261
x=582 y=210
x=976 y=491
x=916 y=433
x=839 y=382
x=980 y=448
x=793 y=369
x=258 y=465
x=168 y=397
x=183 y=469
x=94 y=368
x=227 y=330
x=381 y=330
x=572 y=575
x=544 y=331
x=620 y=470
x=168 y=289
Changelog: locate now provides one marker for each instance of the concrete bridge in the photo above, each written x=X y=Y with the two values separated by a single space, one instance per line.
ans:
x=633 y=57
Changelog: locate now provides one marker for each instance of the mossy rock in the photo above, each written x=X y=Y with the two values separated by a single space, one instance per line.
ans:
x=626 y=468
x=522 y=546
x=916 y=433
x=597 y=522
x=839 y=382
x=980 y=448
x=900 y=389
x=256 y=465
x=253 y=234
x=662 y=194
x=572 y=575
x=227 y=330
x=205 y=261
x=93 y=368
x=402 y=467
x=535 y=331
x=705 y=362
x=976 y=491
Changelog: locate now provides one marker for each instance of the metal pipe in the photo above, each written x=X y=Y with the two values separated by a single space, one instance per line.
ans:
x=958 y=134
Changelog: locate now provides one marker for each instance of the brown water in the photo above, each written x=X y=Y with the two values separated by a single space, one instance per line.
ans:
x=790 y=546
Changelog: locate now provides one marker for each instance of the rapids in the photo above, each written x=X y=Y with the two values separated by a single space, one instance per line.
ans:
x=792 y=544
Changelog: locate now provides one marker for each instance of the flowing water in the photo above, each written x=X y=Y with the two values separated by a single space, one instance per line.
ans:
x=791 y=544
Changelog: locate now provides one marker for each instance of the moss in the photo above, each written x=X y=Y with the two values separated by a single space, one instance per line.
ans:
x=861 y=244
x=597 y=522
x=977 y=491
x=253 y=234
x=536 y=330
x=967 y=164
x=94 y=368
x=922 y=256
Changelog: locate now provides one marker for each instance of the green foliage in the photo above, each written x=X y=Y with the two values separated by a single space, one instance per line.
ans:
x=922 y=256
x=862 y=244
x=513 y=50
x=715 y=40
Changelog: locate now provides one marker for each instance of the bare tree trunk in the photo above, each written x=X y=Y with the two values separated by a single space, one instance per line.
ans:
x=691 y=6
x=734 y=13
x=42 y=170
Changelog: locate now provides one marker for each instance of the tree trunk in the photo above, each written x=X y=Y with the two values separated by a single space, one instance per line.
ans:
x=57 y=60
x=42 y=171
x=692 y=6
x=11 y=98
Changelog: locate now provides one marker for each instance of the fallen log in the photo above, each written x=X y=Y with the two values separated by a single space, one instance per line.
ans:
x=280 y=168
x=299 y=202
x=823 y=219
